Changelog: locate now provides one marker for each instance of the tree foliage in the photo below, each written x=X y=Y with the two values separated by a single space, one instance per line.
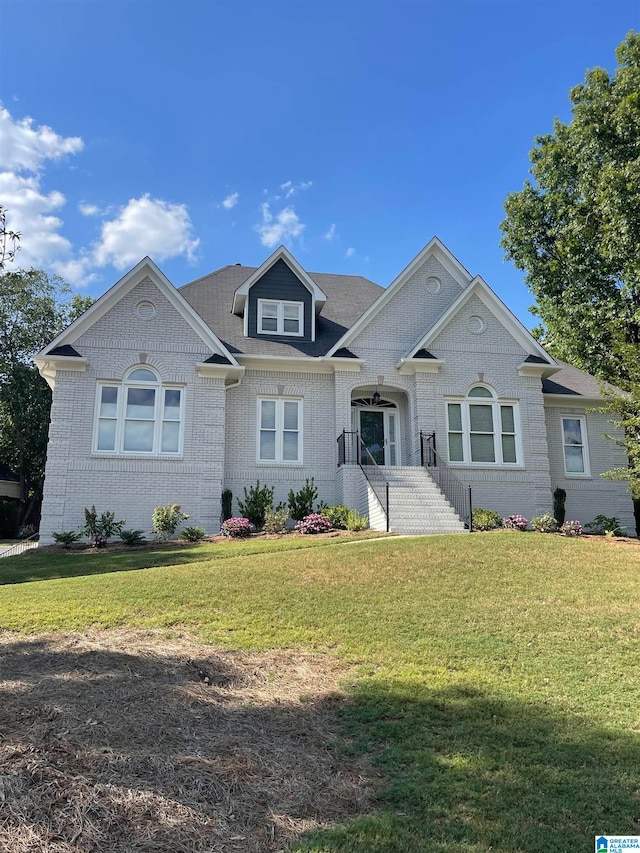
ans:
x=575 y=232
x=34 y=308
x=9 y=240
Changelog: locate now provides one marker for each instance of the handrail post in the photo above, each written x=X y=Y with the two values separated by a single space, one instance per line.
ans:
x=421 y=449
x=470 y=512
x=387 y=502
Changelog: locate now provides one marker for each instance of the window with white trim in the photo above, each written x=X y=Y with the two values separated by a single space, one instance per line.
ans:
x=139 y=416
x=574 y=446
x=280 y=318
x=280 y=430
x=483 y=430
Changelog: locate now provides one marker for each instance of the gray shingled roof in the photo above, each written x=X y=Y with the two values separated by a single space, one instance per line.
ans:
x=348 y=297
x=573 y=382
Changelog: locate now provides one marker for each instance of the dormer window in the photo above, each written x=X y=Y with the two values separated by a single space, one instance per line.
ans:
x=280 y=318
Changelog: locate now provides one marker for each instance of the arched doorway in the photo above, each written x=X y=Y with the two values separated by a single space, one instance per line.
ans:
x=376 y=420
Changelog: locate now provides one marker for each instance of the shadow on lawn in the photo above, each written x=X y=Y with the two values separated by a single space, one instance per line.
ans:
x=469 y=773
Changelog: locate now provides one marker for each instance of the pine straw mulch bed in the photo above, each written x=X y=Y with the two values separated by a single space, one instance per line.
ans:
x=129 y=740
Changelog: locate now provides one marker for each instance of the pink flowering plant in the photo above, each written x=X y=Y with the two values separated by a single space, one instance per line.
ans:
x=515 y=522
x=571 y=528
x=237 y=528
x=314 y=523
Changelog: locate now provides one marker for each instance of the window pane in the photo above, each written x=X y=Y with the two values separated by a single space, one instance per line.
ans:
x=571 y=428
x=106 y=435
x=290 y=446
x=291 y=312
x=291 y=416
x=172 y=405
x=508 y=421
x=268 y=414
x=574 y=460
x=482 y=449
x=141 y=374
x=455 y=447
x=170 y=437
x=269 y=325
x=481 y=418
x=269 y=309
x=141 y=403
x=291 y=326
x=108 y=402
x=480 y=392
x=138 y=436
x=508 y=448
x=267 y=445
x=455 y=417
x=392 y=428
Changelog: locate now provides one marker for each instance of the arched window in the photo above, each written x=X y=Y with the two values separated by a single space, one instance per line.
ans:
x=482 y=429
x=140 y=415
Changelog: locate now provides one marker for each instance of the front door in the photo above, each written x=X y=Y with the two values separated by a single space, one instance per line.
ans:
x=379 y=433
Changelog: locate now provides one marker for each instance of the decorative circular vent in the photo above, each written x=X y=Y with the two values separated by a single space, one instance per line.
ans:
x=476 y=325
x=433 y=284
x=146 y=310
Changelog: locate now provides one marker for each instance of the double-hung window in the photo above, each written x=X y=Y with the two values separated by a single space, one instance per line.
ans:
x=280 y=318
x=574 y=445
x=279 y=430
x=140 y=415
x=482 y=429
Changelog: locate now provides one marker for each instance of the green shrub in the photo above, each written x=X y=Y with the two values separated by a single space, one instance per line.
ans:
x=67 y=537
x=338 y=515
x=544 y=523
x=166 y=520
x=27 y=531
x=256 y=502
x=100 y=529
x=486 y=519
x=301 y=502
x=227 y=504
x=559 y=497
x=131 y=538
x=192 y=534
x=603 y=525
x=356 y=522
x=275 y=520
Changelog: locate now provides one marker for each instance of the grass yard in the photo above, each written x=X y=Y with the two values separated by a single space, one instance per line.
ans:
x=462 y=693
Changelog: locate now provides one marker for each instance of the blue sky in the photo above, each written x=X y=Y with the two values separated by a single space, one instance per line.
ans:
x=207 y=133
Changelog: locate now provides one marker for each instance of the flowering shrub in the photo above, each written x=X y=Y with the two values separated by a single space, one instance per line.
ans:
x=314 y=523
x=515 y=522
x=166 y=520
x=237 y=528
x=485 y=519
x=544 y=523
x=571 y=528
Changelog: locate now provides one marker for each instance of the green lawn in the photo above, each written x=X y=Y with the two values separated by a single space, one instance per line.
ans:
x=498 y=680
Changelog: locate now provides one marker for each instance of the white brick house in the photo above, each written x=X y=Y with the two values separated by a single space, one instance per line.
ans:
x=173 y=395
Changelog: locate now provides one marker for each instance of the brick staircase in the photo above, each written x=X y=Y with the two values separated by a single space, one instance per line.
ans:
x=416 y=504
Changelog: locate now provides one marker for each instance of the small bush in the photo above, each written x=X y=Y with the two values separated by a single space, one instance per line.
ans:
x=67 y=537
x=100 y=528
x=486 y=519
x=559 y=497
x=544 y=523
x=603 y=525
x=193 y=534
x=275 y=520
x=237 y=528
x=314 y=523
x=256 y=502
x=515 y=522
x=131 y=538
x=356 y=522
x=166 y=520
x=338 y=515
x=571 y=528
x=27 y=531
x=301 y=502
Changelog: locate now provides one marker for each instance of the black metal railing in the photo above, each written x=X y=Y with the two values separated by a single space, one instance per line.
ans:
x=353 y=451
x=21 y=547
x=456 y=492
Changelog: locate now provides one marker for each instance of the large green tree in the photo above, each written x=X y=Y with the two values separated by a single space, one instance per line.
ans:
x=574 y=229
x=34 y=308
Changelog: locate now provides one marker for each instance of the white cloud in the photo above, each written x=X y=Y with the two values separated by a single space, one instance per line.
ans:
x=274 y=230
x=331 y=233
x=350 y=252
x=24 y=147
x=87 y=209
x=231 y=201
x=289 y=188
x=145 y=226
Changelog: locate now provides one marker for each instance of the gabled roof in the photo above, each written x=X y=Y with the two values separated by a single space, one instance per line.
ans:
x=280 y=254
x=570 y=382
x=478 y=287
x=436 y=248
x=125 y=285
